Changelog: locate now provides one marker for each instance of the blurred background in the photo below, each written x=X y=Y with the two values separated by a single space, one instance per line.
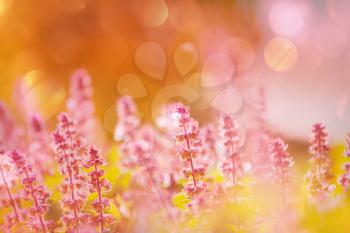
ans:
x=206 y=52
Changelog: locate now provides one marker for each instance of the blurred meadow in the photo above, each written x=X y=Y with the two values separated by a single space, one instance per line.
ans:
x=211 y=54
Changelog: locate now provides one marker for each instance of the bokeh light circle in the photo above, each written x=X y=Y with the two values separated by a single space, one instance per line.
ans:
x=131 y=85
x=217 y=70
x=240 y=50
x=185 y=57
x=150 y=58
x=280 y=54
x=285 y=18
x=38 y=92
x=150 y=13
x=229 y=101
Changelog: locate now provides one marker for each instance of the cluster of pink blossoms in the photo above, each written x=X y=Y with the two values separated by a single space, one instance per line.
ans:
x=128 y=120
x=68 y=146
x=39 y=148
x=81 y=92
x=98 y=184
x=70 y=150
x=32 y=190
x=319 y=173
x=344 y=179
x=138 y=143
x=232 y=165
x=281 y=162
x=140 y=147
x=9 y=133
x=207 y=137
x=153 y=185
x=7 y=181
x=187 y=140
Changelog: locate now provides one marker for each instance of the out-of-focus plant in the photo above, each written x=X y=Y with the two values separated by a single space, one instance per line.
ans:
x=282 y=161
x=80 y=97
x=232 y=165
x=344 y=179
x=222 y=176
x=319 y=175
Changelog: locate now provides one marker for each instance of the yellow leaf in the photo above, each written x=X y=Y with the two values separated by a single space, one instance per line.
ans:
x=113 y=210
x=180 y=201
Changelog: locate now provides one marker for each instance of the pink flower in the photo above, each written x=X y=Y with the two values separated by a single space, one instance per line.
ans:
x=98 y=184
x=187 y=141
x=9 y=132
x=38 y=147
x=232 y=165
x=128 y=121
x=319 y=173
x=208 y=144
x=68 y=147
x=6 y=179
x=319 y=142
x=344 y=179
x=259 y=135
x=180 y=114
x=80 y=103
x=281 y=161
x=347 y=150
x=33 y=190
x=280 y=157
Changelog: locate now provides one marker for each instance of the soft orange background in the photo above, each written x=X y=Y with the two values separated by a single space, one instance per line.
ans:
x=43 y=42
x=56 y=37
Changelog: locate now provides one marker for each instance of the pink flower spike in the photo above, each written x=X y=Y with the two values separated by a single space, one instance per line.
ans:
x=98 y=184
x=188 y=142
x=347 y=150
x=280 y=156
x=180 y=114
x=344 y=179
x=319 y=173
x=232 y=165
x=36 y=123
x=281 y=162
x=128 y=121
x=38 y=148
x=32 y=189
x=9 y=133
x=319 y=141
x=4 y=170
x=68 y=145
x=80 y=103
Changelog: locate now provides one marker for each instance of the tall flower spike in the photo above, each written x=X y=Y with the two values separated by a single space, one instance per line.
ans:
x=232 y=165
x=208 y=139
x=126 y=129
x=344 y=179
x=146 y=170
x=38 y=147
x=128 y=121
x=8 y=132
x=319 y=173
x=80 y=103
x=260 y=135
x=142 y=154
x=68 y=145
x=281 y=162
x=5 y=181
x=98 y=184
x=33 y=190
x=187 y=140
